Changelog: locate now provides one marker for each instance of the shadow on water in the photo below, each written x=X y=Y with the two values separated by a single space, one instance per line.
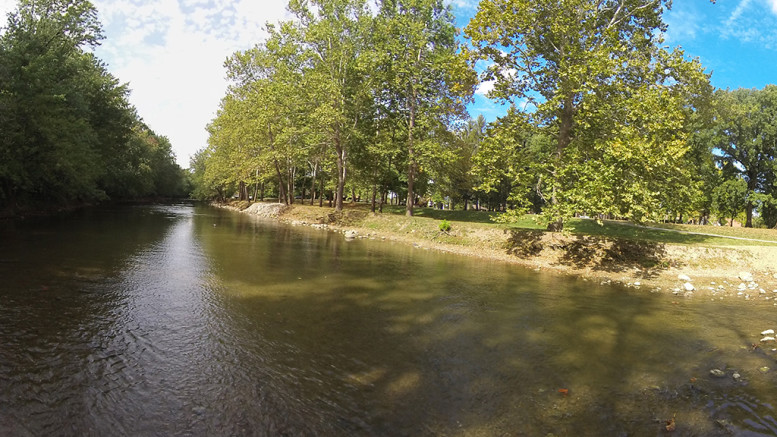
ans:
x=204 y=322
x=396 y=341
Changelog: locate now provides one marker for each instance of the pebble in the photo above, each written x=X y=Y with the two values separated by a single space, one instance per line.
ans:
x=683 y=277
x=767 y=338
x=717 y=373
x=736 y=376
x=746 y=276
x=768 y=332
x=688 y=286
x=742 y=286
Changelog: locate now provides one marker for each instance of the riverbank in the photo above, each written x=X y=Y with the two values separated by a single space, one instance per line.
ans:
x=688 y=270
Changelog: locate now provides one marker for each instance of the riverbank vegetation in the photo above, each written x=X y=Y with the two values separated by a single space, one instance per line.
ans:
x=69 y=134
x=350 y=102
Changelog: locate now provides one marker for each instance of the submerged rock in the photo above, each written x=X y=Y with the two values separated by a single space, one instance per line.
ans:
x=746 y=276
x=717 y=373
x=768 y=332
x=350 y=234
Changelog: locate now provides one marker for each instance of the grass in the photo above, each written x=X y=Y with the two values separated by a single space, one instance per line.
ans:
x=610 y=229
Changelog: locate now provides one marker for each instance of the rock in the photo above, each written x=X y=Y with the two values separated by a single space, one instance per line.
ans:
x=717 y=373
x=637 y=284
x=746 y=276
x=764 y=369
x=350 y=234
x=683 y=277
x=736 y=376
x=768 y=332
x=742 y=286
x=752 y=285
x=767 y=338
x=688 y=286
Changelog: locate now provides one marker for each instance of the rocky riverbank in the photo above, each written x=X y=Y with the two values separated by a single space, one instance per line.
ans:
x=688 y=271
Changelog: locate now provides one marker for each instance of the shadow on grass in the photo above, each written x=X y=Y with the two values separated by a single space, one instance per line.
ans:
x=438 y=214
x=586 y=251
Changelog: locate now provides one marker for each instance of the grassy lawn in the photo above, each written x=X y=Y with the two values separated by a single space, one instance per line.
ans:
x=611 y=229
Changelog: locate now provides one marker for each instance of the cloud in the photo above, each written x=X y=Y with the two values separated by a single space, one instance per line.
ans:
x=172 y=53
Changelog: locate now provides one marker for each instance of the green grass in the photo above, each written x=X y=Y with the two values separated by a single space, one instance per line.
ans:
x=611 y=229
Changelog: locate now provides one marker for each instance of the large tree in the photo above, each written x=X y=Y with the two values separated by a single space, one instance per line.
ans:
x=748 y=141
x=335 y=34
x=425 y=79
x=593 y=74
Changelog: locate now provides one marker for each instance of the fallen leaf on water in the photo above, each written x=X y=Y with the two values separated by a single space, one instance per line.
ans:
x=564 y=391
x=693 y=379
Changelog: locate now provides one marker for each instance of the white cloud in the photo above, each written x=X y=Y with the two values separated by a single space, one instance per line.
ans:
x=172 y=54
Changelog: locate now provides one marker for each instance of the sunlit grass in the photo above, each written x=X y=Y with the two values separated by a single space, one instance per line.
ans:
x=609 y=228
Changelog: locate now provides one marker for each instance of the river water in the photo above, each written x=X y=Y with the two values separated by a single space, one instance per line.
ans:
x=183 y=320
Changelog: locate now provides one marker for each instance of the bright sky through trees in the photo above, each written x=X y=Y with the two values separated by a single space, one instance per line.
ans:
x=171 y=51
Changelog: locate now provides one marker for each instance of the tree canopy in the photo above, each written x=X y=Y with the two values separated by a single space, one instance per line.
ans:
x=69 y=132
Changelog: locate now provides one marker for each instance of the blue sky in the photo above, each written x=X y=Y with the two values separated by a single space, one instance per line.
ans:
x=171 y=51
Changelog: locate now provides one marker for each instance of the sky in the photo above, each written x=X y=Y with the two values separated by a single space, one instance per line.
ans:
x=171 y=52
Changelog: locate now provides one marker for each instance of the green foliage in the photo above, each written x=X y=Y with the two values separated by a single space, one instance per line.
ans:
x=445 y=226
x=69 y=134
x=620 y=109
x=730 y=198
x=747 y=138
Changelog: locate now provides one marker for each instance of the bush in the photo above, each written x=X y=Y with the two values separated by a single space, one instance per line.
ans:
x=445 y=226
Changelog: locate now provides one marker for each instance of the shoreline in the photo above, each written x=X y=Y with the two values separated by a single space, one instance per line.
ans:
x=685 y=271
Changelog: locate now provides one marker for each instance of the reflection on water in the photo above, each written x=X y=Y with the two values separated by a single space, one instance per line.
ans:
x=193 y=321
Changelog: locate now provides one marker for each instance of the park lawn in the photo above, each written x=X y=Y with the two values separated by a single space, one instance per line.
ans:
x=608 y=228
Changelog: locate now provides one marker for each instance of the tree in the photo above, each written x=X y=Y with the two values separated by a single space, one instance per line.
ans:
x=748 y=139
x=335 y=32
x=594 y=76
x=426 y=79
x=730 y=198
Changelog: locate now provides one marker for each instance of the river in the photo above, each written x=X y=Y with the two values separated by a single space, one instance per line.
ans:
x=190 y=320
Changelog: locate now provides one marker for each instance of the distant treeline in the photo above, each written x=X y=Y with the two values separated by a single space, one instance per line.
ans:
x=69 y=134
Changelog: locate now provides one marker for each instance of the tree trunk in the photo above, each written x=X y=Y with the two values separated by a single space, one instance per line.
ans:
x=313 y=184
x=749 y=211
x=341 y=158
x=564 y=138
x=321 y=191
x=412 y=167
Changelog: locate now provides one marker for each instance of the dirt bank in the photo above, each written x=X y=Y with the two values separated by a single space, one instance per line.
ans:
x=714 y=271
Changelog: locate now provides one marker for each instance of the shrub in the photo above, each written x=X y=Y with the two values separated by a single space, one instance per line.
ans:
x=445 y=226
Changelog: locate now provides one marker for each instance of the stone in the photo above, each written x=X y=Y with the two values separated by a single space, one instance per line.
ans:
x=767 y=338
x=736 y=376
x=746 y=276
x=764 y=369
x=688 y=286
x=683 y=277
x=768 y=332
x=350 y=234
x=742 y=286
x=717 y=373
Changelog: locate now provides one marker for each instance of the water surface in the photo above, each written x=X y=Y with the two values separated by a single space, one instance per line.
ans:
x=182 y=320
